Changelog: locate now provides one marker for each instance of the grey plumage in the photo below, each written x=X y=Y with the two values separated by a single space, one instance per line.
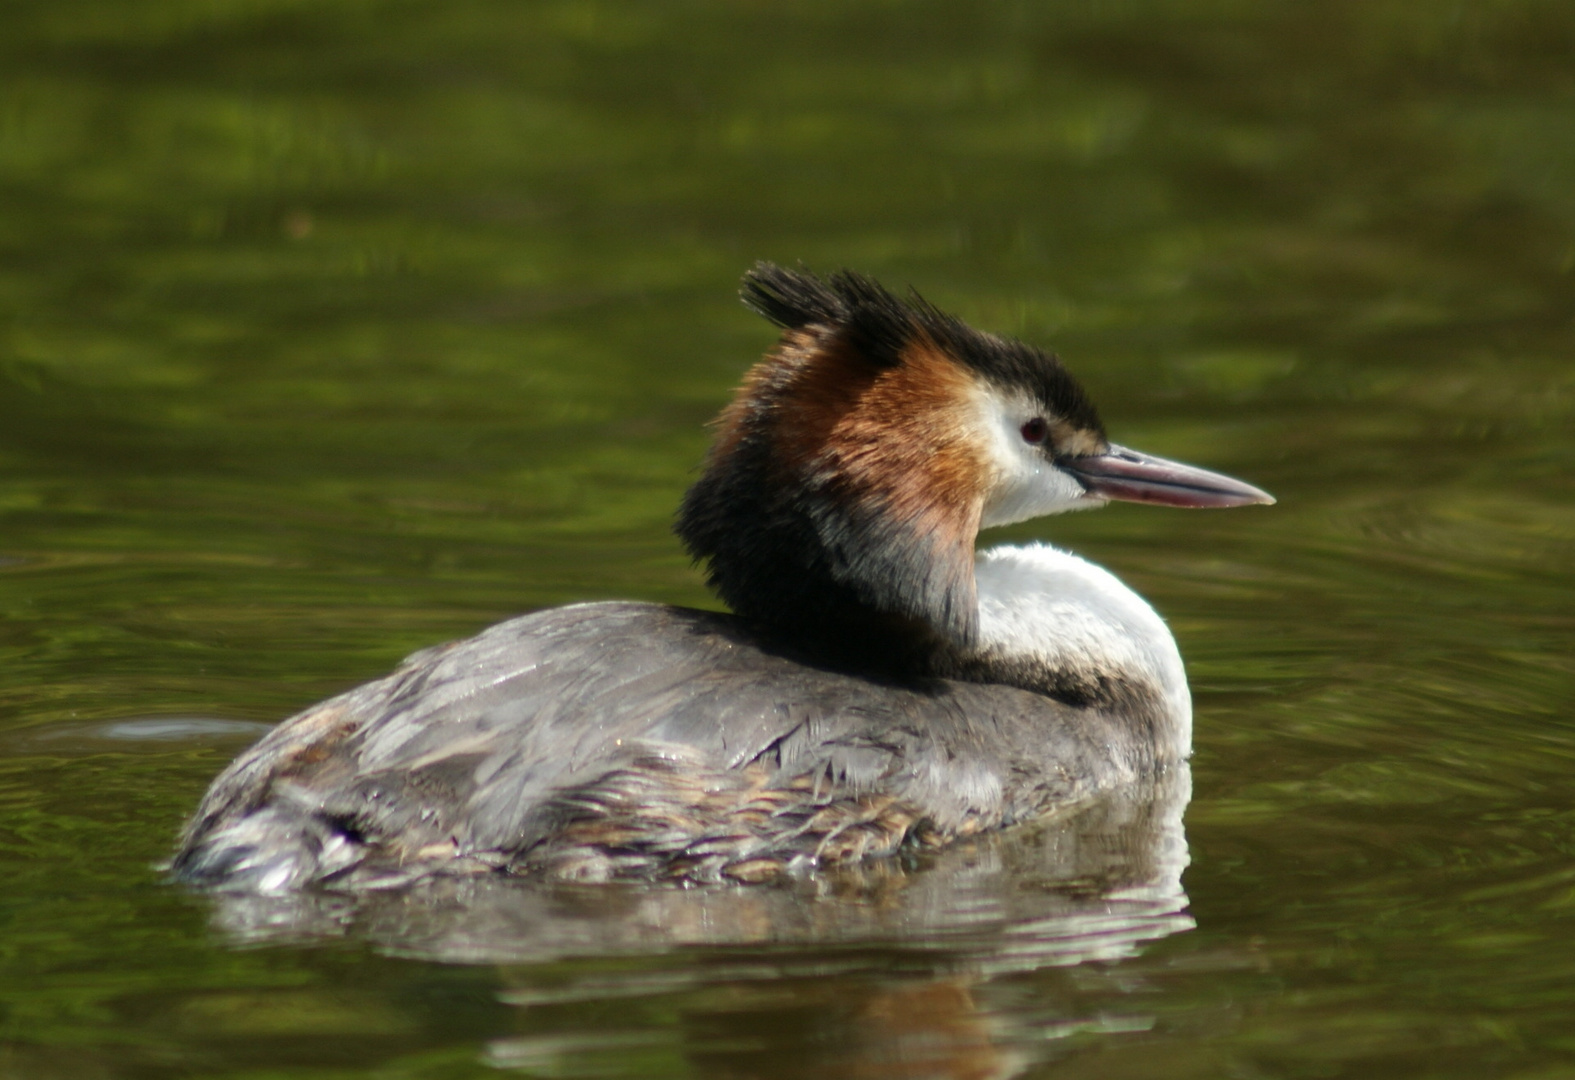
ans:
x=622 y=739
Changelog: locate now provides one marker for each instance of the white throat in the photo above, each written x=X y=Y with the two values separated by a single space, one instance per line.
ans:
x=1037 y=601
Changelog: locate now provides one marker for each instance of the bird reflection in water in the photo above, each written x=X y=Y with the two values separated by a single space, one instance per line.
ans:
x=892 y=968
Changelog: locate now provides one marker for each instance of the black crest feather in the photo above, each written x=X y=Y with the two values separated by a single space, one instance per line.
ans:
x=870 y=318
x=880 y=324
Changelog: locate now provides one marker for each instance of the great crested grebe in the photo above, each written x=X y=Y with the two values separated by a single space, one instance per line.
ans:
x=879 y=683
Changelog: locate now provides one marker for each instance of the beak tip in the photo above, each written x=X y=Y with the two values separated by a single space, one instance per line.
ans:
x=1250 y=497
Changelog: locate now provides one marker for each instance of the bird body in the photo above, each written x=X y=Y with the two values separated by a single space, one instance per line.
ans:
x=879 y=685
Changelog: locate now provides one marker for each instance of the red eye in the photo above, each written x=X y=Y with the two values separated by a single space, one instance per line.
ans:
x=1035 y=430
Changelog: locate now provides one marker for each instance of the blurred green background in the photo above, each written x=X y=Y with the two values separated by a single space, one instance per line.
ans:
x=330 y=330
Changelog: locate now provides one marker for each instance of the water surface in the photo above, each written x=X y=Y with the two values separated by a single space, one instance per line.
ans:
x=329 y=331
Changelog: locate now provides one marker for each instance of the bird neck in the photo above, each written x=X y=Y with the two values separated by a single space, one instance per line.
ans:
x=820 y=546
x=1053 y=622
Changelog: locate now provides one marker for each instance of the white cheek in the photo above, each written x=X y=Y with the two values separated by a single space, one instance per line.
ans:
x=1033 y=493
x=1027 y=485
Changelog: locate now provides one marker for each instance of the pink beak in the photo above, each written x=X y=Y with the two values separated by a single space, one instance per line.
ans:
x=1129 y=476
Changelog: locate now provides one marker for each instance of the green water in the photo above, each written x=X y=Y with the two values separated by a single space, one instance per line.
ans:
x=331 y=330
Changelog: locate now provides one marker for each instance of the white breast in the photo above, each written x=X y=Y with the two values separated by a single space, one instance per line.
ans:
x=1042 y=602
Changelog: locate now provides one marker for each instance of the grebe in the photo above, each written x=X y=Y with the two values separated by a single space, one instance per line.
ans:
x=879 y=684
